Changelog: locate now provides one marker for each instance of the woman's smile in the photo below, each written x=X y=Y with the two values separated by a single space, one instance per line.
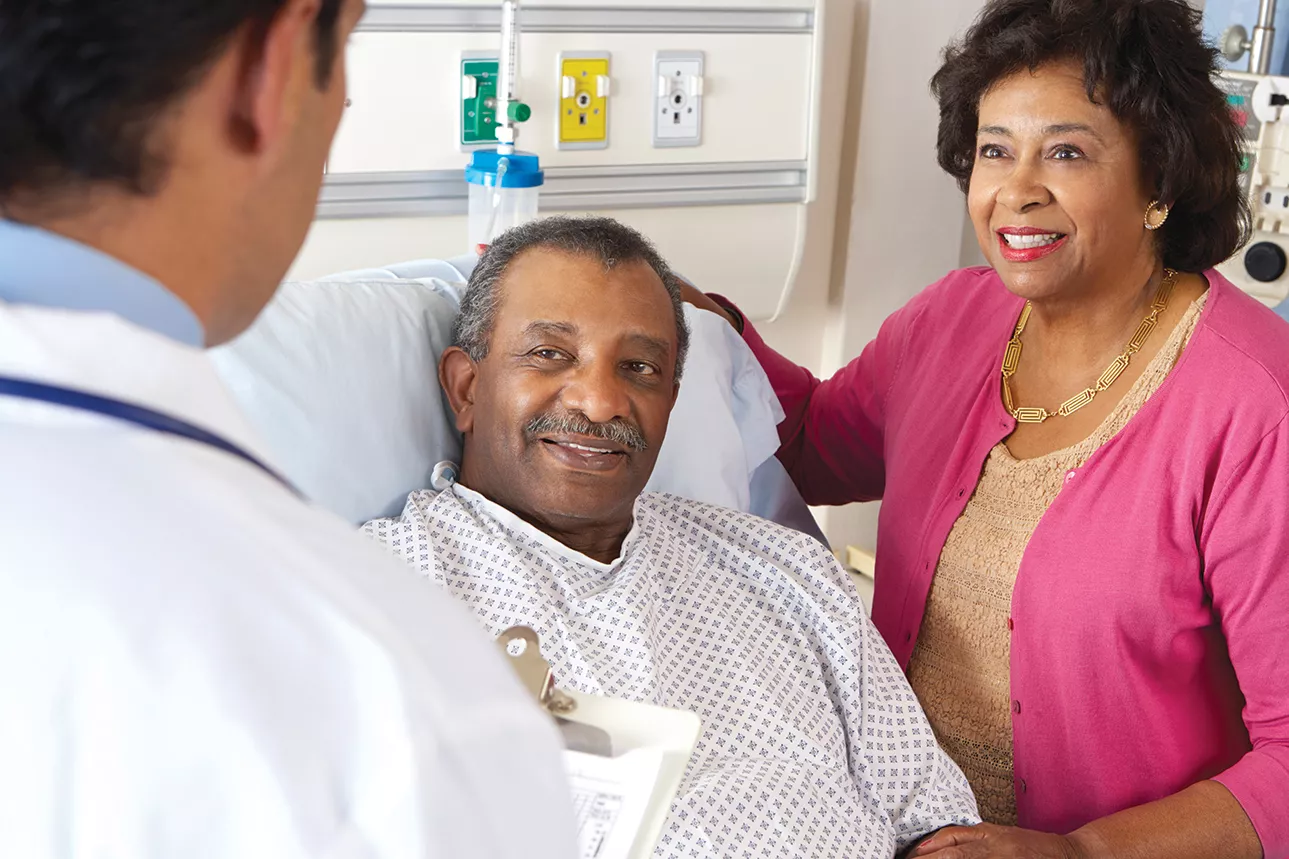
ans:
x=1027 y=244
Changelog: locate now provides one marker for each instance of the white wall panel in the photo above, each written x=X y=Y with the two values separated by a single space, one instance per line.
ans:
x=761 y=107
x=736 y=250
x=405 y=94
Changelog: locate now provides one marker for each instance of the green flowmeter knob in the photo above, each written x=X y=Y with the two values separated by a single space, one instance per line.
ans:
x=517 y=111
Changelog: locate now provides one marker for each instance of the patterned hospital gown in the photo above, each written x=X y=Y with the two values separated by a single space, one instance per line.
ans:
x=813 y=745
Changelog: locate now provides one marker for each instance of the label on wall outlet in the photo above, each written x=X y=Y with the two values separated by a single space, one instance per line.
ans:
x=678 y=105
x=584 y=89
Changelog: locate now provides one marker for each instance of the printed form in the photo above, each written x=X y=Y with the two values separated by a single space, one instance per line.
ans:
x=610 y=799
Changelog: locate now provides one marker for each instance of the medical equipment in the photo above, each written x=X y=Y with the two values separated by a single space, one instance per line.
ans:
x=503 y=192
x=1257 y=101
x=504 y=183
x=22 y=389
x=1236 y=41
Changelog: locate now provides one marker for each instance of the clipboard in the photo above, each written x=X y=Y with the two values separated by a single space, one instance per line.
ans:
x=625 y=759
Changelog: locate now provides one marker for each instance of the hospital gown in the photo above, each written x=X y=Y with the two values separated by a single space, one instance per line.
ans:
x=813 y=745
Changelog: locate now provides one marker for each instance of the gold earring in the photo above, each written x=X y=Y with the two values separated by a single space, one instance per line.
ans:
x=1159 y=210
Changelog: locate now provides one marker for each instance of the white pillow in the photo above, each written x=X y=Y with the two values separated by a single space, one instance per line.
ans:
x=725 y=421
x=341 y=381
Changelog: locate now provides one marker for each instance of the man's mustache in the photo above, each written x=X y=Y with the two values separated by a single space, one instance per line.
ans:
x=617 y=430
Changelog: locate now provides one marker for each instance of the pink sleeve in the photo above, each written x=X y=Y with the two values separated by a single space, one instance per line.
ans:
x=1245 y=546
x=833 y=434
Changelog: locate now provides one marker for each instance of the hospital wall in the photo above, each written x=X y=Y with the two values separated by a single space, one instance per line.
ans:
x=883 y=221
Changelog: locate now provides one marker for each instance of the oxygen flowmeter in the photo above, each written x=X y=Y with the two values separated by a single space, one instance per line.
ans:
x=504 y=182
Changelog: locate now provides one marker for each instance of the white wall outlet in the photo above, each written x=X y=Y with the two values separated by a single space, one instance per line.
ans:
x=1273 y=199
x=678 y=102
x=1270 y=97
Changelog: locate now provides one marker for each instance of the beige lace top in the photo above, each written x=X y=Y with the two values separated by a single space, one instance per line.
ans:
x=960 y=668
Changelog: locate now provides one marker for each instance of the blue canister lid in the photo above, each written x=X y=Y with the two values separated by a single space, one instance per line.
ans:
x=521 y=169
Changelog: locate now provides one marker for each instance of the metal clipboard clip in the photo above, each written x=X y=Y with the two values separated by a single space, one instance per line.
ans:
x=522 y=649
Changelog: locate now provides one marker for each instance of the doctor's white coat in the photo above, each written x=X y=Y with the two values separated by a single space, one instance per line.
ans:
x=195 y=664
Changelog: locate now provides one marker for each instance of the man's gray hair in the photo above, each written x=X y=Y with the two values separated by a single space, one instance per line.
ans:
x=610 y=242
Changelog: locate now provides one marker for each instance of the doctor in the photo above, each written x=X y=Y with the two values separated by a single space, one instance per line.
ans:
x=193 y=662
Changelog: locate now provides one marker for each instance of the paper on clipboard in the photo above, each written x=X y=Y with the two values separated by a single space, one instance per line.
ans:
x=610 y=799
x=622 y=802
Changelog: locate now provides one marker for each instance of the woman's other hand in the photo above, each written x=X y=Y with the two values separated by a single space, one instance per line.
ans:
x=693 y=295
x=988 y=841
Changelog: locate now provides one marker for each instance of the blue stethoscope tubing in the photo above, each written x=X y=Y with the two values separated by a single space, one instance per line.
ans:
x=130 y=413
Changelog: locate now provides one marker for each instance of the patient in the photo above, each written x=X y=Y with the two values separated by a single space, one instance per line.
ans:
x=569 y=353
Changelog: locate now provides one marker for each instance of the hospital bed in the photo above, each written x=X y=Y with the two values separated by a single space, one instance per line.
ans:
x=339 y=377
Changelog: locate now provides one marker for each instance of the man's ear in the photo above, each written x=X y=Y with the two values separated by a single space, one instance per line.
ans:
x=276 y=68
x=457 y=375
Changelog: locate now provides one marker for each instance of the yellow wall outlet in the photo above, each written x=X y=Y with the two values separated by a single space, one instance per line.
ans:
x=584 y=88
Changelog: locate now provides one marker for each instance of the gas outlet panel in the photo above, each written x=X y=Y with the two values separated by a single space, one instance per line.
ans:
x=678 y=112
x=584 y=90
x=477 y=116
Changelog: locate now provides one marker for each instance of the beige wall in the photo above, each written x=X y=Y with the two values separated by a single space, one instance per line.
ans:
x=900 y=222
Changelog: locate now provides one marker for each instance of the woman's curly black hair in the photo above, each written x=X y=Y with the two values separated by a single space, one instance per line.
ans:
x=1148 y=63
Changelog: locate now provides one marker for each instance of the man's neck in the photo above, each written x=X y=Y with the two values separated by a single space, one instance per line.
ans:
x=599 y=541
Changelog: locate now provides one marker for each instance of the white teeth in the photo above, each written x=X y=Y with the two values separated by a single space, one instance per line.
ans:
x=584 y=447
x=1036 y=241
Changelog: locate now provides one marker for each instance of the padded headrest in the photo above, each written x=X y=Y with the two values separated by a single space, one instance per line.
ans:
x=341 y=381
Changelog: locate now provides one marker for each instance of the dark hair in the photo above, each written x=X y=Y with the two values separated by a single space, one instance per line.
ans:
x=1148 y=63
x=604 y=239
x=82 y=83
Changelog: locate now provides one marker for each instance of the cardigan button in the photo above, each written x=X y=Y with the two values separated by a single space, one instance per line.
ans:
x=1024 y=788
x=1011 y=624
x=908 y=636
x=1016 y=707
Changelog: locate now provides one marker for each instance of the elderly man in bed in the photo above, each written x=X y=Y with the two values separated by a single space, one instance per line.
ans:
x=568 y=360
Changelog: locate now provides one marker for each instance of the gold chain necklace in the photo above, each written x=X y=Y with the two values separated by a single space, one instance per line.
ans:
x=1011 y=360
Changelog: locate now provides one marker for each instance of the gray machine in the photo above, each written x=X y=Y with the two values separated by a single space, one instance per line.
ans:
x=1259 y=101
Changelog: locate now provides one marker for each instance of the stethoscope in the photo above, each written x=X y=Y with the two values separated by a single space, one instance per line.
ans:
x=130 y=413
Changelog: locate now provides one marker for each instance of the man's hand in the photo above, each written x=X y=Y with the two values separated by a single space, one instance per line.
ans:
x=988 y=841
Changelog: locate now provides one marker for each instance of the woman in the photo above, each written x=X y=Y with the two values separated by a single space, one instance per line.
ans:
x=1082 y=452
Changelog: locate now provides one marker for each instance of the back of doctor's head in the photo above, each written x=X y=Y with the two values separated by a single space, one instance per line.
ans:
x=183 y=121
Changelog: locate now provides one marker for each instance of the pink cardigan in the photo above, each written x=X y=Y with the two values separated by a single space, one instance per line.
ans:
x=1150 y=617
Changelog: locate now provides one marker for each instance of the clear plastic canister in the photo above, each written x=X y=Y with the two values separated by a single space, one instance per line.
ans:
x=504 y=190
x=495 y=210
